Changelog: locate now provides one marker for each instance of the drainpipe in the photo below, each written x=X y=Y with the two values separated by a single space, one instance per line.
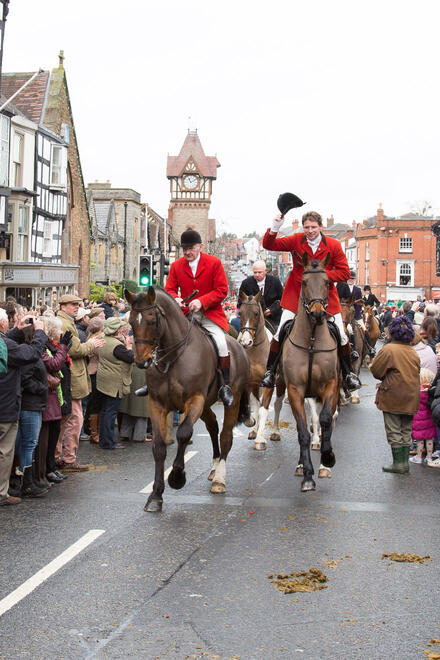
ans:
x=125 y=240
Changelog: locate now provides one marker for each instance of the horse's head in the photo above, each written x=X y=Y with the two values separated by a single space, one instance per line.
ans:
x=250 y=315
x=347 y=311
x=145 y=320
x=315 y=287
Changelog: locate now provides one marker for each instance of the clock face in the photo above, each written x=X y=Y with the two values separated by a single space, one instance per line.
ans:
x=191 y=181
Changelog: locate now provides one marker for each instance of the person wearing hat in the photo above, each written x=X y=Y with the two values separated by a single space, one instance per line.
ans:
x=369 y=298
x=82 y=321
x=313 y=242
x=397 y=366
x=97 y=312
x=113 y=377
x=350 y=289
x=205 y=272
x=80 y=385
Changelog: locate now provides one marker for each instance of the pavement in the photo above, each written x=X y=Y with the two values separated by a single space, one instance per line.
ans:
x=192 y=582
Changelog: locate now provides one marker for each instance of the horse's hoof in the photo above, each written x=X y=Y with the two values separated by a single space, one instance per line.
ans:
x=324 y=472
x=218 y=487
x=355 y=399
x=328 y=459
x=299 y=471
x=308 y=484
x=316 y=445
x=250 y=422
x=252 y=435
x=177 y=479
x=275 y=437
x=260 y=446
x=153 y=506
x=211 y=474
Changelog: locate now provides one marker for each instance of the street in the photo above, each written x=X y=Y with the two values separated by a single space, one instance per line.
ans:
x=192 y=582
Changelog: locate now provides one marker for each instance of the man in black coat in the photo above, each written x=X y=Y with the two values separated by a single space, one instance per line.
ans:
x=10 y=391
x=271 y=289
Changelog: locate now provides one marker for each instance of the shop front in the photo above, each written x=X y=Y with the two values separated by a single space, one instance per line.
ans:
x=37 y=284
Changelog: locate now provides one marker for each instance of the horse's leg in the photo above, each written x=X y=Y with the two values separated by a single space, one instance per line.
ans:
x=355 y=397
x=314 y=422
x=296 y=400
x=210 y=420
x=193 y=409
x=255 y=407
x=326 y=420
x=275 y=435
x=229 y=420
x=158 y=420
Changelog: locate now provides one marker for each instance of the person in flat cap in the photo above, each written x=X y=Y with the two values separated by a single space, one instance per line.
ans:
x=350 y=292
x=205 y=272
x=80 y=385
x=313 y=242
x=113 y=377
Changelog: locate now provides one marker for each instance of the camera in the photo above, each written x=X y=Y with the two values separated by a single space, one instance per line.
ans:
x=30 y=321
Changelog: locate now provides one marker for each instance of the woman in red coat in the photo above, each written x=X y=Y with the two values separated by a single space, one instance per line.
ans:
x=204 y=272
x=317 y=246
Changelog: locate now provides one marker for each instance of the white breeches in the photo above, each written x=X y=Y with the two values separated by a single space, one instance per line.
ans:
x=217 y=334
x=287 y=315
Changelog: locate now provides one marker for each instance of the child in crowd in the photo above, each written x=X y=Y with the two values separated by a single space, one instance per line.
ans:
x=423 y=427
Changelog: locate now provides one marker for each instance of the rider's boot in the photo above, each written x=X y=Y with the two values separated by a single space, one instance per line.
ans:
x=225 y=393
x=272 y=363
x=350 y=381
x=354 y=355
x=371 y=350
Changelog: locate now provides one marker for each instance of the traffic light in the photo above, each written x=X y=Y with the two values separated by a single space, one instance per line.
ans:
x=145 y=270
x=164 y=270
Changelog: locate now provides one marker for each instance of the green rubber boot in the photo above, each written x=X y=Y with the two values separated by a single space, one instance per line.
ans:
x=399 y=466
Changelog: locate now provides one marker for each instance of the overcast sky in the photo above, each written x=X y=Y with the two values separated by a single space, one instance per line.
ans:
x=336 y=101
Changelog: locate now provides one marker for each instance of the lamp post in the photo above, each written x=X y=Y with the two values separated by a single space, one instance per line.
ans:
x=125 y=240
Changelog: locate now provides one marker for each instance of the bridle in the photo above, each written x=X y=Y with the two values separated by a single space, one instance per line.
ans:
x=307 y=303
x=159 y=355
x=251 y=328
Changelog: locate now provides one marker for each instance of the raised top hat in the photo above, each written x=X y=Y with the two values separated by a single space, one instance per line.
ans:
x=287 y=201
x=190 y=237
x=352 y=275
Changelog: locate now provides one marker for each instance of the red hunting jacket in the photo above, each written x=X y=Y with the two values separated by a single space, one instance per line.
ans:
x=210 y=279
x=337 y=268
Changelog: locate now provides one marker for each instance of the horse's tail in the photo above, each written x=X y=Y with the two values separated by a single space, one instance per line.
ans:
x=244 y=411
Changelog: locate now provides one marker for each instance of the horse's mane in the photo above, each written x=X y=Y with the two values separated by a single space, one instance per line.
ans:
x=143 y=295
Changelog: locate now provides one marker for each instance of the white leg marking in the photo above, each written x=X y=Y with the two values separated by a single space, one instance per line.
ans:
x=262 y=419
x=220 y=472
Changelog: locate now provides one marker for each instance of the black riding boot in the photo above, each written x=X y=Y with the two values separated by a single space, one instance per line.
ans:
x=354 y=354
x=351 y=382
x=272 y=363
x=371 y=350
x=225 y=392
x=29 y=488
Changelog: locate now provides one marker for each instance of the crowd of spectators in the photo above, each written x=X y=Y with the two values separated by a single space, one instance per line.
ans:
x=64 y=373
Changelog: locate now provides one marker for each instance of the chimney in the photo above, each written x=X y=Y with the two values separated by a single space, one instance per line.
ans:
x=380 y=214
x=330 y=221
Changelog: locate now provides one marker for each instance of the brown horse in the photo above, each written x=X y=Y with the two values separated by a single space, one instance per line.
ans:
x=372 y=324
x=311 y=367
x=359 y=343
x=254 y=339
x=180 y=364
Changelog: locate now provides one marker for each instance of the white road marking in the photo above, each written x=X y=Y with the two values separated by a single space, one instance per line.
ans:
x=149 y=486
x=43 y=574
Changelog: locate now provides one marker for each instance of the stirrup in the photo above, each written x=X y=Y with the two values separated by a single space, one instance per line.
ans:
x=268 y=379
x=225 y=395
x=351 y=382
x=142 y=391
x=371 y=352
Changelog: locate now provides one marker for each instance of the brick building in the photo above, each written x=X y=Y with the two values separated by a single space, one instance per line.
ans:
x=191 y=174
x=396 y=256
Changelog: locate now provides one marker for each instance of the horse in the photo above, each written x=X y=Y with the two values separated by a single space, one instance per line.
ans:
x=180 y=363
x=371 y=324
x=254 y=338
x=310 y=365
x=359 y=343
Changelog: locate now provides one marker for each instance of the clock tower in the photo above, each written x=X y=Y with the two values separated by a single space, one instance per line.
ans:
x=191 y=174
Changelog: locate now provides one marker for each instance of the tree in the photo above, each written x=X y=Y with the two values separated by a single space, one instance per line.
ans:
x=422 y=207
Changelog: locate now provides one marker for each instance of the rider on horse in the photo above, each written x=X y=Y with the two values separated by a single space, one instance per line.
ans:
x=204 y=272
x=317 y=246
x=350 y=289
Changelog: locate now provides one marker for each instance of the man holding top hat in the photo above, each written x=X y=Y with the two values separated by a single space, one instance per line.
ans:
x=204 y=274
x=312 y=241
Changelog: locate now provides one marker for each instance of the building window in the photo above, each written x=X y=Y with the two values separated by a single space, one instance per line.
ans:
x=4 y=150
x=367 y=255
x=405 y=273
x=367 y=274
x=100 y=253
x=405 y=244
x=17 y=161
x=58 y=166
x=113 y=255
x=47 y=238
x=22 y=233
x=120 y=255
